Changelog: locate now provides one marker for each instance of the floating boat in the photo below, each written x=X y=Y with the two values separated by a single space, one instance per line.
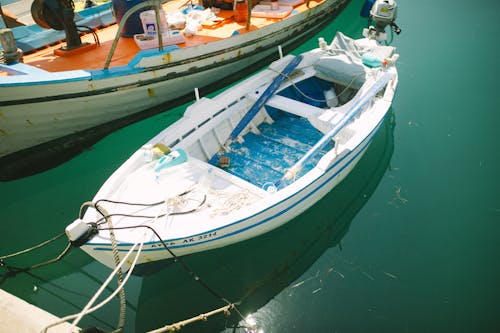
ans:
x=116 y=71
x=247 y=161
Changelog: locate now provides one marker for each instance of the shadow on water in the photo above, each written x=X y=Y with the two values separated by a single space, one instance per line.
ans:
x=256 y=270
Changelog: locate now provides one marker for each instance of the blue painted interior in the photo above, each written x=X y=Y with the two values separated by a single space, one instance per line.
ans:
x=264 y=157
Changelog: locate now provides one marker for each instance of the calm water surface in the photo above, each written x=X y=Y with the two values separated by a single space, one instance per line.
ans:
x=410 y=242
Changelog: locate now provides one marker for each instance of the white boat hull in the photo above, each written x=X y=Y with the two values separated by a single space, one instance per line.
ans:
x=304 y=150
x=267 y=220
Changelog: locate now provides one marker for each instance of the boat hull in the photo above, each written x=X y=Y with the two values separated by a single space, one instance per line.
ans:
x=51 y=107
x=284 y=149
x=268 y=219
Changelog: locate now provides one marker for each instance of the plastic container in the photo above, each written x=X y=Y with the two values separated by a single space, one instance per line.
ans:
x=149 y=42
x=371 y=60
x=133 y=25
x=149 y=24
x=331 y=98
x=176 y=157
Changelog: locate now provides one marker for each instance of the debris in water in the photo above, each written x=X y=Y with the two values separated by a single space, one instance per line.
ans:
x=368 y=276
x=315 y=291
x=391 y=275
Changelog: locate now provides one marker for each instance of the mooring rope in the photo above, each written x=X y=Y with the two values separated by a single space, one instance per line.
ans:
x=204 y=316
x=33 y=247
x=178 y=260
x=87 y=309
x=119 y=273
x=14 y=270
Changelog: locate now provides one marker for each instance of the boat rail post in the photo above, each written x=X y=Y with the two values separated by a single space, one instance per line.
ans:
x=249 y=13
x=158 y=24
x=126 y=16
x=197 y=94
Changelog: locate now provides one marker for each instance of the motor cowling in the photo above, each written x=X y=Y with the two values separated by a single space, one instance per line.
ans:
x=383 y=13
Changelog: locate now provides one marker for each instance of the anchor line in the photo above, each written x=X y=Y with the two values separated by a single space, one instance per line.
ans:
x=89 y=308
x=178 y=260
x=104 y=216
x=119 y=273
x=12 y=270
x=103 y=220
x=229 y=305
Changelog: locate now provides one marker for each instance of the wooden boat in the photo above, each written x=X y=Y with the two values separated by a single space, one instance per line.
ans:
x=248 y=160
x=61 y=90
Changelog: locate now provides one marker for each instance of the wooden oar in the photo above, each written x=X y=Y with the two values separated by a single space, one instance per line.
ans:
x=268 y=93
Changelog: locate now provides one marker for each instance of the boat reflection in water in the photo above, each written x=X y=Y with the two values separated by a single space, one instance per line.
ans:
x=254 y=271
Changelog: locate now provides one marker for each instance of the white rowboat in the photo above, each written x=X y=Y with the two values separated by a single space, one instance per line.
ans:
x=248 y=160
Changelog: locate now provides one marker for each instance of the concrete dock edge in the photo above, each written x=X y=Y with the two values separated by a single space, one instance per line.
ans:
x=19 y=316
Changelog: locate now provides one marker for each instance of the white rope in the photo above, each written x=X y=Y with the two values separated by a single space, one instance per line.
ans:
x=86 y=310
x=228 y=202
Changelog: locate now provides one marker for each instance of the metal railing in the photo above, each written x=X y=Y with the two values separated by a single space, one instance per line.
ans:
x=149 y=3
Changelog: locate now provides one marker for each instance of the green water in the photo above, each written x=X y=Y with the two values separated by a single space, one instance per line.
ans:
x=408 y=243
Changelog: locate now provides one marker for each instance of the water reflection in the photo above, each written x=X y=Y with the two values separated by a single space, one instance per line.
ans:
x=254 y=271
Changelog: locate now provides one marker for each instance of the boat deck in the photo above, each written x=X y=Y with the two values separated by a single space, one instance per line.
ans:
x=127 y=48
x=264 y=157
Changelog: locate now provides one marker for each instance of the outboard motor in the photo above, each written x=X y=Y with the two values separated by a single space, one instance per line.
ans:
x=383 y=13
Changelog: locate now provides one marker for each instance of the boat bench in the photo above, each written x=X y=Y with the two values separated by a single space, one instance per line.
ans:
x=295 y=107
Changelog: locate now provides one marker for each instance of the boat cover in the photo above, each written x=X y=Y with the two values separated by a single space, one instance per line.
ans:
x=344 y=65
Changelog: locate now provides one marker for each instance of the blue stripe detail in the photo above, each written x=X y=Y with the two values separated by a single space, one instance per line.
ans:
x=130 y=68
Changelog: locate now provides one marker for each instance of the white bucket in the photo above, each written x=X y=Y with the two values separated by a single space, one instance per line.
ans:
x=148 y=19
x=331 y=98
